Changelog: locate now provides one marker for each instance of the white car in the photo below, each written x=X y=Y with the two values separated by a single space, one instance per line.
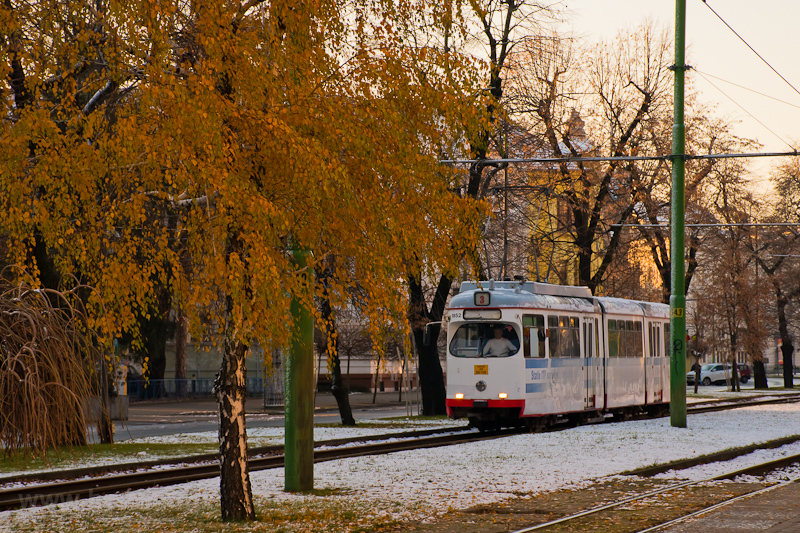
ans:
x=711 y=373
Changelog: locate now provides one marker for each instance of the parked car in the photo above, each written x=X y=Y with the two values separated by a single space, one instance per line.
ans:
x=716 y=373
x=744 y=372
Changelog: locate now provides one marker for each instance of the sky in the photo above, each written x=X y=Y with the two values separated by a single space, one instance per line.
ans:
x=770 y=27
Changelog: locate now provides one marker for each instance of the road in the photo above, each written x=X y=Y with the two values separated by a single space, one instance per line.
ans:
x=157 y=418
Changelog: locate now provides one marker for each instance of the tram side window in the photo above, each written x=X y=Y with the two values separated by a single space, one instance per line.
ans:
x=564 y=336
x=627 y=338
x=651 y=340
x=631 y=338
x=613 y=339
x=574 y=333
x=667 y=340
x=637 y=339
x=554 y=339
x=533 y=335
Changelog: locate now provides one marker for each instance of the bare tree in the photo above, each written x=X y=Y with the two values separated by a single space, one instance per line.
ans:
x=775 y=250
x=496 y=27
x=604 y=106
x=615 y=102
x=732 y=294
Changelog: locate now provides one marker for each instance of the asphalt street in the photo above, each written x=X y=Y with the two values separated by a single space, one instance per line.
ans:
x=157 y=418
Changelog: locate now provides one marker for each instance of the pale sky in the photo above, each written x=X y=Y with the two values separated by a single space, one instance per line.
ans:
x=769 y=26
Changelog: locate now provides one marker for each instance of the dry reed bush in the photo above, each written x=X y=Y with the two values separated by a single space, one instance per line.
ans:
x=47 y=357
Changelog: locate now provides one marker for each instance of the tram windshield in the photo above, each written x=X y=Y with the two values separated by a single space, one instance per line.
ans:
x=485 y=339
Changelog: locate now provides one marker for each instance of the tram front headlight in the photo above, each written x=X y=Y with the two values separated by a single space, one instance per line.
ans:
x=459 y=396
x=502 y=395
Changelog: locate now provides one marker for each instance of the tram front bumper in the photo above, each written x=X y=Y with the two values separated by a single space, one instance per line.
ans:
x=459 y=408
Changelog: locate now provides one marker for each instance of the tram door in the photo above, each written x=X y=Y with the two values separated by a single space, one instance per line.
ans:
x=655 y=377
x=591 y=364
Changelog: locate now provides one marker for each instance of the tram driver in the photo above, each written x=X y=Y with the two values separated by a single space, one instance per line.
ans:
x=498 y=346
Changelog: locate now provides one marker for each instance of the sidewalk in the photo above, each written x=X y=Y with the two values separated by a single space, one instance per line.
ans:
x=324 y=401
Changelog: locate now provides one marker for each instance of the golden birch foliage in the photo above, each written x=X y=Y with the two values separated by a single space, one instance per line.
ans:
x=141 y=139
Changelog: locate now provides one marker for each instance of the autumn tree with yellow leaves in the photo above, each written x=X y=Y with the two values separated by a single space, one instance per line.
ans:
x=141 y=137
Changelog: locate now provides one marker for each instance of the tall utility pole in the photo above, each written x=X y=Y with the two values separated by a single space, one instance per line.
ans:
x=677 y=299
x=299 y=402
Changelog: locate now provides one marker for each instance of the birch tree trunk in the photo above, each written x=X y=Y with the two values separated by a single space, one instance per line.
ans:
x=236 y=496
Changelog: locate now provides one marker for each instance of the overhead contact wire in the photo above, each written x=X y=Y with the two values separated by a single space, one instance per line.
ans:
x=746 y=88
x=740 y=106
x=751 y=48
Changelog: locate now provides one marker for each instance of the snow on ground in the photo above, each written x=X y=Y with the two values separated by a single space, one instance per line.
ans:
x=274 y=435
x=421 y=483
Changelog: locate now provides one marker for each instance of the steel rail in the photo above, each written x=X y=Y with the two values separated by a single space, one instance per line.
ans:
x=68 y=488
x=53 y=475
x=48 y=493
x=755 y=403
x=718 y=506
x=752 y=470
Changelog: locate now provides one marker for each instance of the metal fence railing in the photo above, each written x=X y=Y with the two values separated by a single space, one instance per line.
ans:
x=156 y=389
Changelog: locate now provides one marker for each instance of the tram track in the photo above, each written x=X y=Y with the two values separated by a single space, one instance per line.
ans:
x=67 y=490
x=252 y=453
x=69 y=485
x=599 y=512
x=721 y=405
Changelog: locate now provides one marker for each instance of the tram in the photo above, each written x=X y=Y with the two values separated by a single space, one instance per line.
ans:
x=536 y=354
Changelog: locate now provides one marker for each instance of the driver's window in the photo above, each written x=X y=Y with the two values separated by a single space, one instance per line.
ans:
x=484 y=340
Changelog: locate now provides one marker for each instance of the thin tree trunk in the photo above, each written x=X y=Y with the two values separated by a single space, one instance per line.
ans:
x=402 y=374
x=759 y=375
x=181 y=338
x=105 y=428
x=236 y=497
x=329 y=344
x=341 y=393
x=787 y=348
x=732 y=357
x=347 y=383
x=377 y=374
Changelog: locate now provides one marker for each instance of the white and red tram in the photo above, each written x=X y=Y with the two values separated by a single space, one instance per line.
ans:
x=533 y=353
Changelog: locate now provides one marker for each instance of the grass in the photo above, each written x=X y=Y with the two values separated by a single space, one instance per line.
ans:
x=324 y=510
x=397 y=422
x=321 y=511
x=132 y=451
x=124 y=452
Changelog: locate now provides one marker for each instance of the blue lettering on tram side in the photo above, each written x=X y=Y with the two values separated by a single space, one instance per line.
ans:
x=535 y=363
x=566 y=362
x=535 y=387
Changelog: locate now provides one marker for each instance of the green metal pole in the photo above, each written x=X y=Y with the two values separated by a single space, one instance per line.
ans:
x=677 y=299
x=299 y=397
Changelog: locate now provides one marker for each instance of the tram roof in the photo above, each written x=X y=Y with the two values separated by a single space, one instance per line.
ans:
x=531 y=287
x=527 y=294
x=547 y=296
